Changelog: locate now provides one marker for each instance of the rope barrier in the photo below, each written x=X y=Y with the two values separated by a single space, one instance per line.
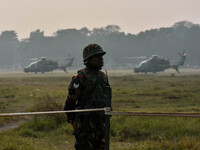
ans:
x=50 y=112
x=107 y=111
x=193 y=115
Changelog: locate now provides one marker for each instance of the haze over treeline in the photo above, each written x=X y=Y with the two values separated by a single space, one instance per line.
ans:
x=165 y=41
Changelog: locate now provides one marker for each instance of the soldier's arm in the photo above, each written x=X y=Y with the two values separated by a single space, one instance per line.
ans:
x=72 y=98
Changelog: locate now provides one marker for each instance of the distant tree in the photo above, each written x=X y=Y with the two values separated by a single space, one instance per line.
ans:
x=36 y=46
x=192 y=44
x=71 y=41
x=33 y=46
x=85 y=31
x=37 y=35
x=112 y=28
x=8 y=49
x=166 y=42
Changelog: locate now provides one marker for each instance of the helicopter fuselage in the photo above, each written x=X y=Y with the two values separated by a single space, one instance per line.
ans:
x=41 y=66
x=46 y=65
x=152 y=65
x=158 y=64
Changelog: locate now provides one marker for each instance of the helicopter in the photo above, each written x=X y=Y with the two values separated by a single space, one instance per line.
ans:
x=47 y=65
x=156 y=63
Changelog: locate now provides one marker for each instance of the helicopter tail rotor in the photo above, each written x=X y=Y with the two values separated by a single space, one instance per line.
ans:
x=183 y=57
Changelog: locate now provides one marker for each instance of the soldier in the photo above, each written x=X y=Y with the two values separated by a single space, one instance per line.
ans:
x=89 y=89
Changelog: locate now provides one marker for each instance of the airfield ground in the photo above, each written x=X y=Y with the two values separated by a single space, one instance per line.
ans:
x=111 y=72
x=161 y=92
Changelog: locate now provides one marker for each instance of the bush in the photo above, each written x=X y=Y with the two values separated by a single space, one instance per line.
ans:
x=45 y=122
x=48 y=103
x=27 y=133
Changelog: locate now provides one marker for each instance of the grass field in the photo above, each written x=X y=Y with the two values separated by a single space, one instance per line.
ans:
x=162 y=92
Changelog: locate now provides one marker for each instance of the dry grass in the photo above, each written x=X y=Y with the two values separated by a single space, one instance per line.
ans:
x=162 y=92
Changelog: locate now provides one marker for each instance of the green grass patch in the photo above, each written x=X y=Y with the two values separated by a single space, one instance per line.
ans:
x=133 y=93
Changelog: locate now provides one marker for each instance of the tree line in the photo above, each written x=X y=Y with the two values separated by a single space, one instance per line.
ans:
x=165 y=41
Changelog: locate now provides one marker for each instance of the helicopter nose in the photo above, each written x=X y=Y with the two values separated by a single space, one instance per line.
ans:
x=136 y=70
x=25 y=70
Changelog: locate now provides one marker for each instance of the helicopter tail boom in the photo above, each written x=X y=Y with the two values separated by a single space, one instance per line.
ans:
x=64 y=68
x=69 y=64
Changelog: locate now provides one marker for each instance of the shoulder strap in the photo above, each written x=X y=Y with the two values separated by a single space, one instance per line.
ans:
x=104 y=77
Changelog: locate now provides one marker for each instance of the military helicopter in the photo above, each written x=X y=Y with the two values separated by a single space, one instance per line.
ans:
x=157 y=64
x=46 y=65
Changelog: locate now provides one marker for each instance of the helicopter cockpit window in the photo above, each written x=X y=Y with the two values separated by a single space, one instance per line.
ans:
x=142 y=63
x=32 y=65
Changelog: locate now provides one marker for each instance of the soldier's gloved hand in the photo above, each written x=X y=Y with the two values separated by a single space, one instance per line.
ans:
x=71 y=118
x=72 y=122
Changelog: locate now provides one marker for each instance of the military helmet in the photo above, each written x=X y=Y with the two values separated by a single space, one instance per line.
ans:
x=91 y=50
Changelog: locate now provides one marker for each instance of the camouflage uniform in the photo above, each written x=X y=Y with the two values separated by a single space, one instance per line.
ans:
x=88 y=90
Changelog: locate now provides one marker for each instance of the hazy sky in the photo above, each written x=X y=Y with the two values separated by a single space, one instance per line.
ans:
x=133 y=16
